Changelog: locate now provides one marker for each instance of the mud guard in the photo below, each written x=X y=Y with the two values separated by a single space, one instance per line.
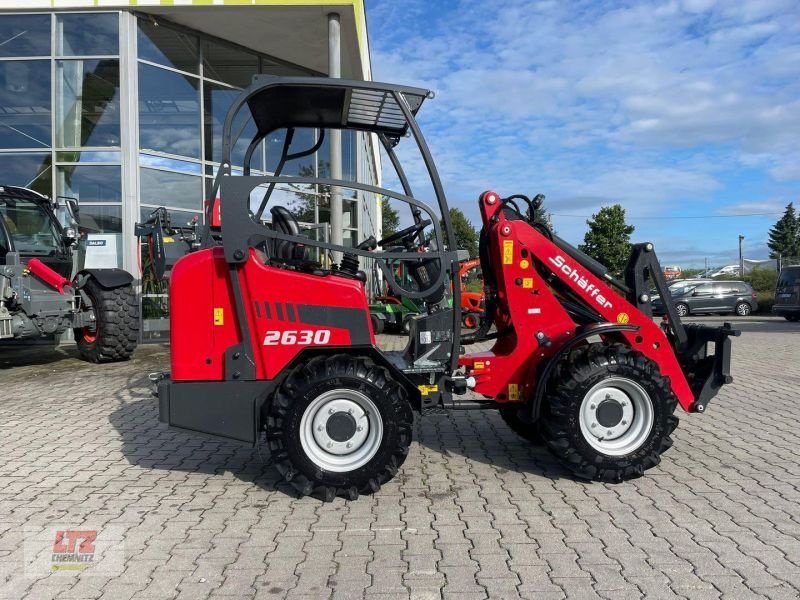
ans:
x=107 y=278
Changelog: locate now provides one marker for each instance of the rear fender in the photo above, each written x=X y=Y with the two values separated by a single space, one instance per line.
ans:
x=107 y=278
x=548 y=368
x=361 y=350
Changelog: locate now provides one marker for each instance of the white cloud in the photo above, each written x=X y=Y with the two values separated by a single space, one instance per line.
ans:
x=654 y=104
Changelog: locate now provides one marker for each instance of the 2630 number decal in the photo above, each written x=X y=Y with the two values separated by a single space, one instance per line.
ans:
x=293 y=337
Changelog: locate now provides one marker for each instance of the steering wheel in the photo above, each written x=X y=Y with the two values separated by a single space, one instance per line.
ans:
x=399 y=235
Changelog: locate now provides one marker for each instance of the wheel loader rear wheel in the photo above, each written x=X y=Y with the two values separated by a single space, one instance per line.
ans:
x=116 y=327
x=610 y=413
x=339 y=426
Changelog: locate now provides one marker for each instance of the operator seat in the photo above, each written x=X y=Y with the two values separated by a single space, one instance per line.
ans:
x=284 y=222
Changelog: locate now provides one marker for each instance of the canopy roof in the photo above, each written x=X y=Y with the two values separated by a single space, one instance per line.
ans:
x=280 y=102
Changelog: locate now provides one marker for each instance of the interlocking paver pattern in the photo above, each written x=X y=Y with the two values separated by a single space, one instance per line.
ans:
x=475 y=512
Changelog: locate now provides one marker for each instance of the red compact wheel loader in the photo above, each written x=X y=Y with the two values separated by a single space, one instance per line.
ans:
x=268 y=344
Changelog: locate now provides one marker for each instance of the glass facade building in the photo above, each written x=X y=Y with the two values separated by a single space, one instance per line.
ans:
x=123 y=110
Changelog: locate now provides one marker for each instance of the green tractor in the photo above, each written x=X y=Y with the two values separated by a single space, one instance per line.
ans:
x=389 y=312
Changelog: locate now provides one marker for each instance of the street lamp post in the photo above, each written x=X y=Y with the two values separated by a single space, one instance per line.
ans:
x=741 y=257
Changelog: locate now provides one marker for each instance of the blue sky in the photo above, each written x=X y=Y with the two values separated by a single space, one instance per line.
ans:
x=684 y=108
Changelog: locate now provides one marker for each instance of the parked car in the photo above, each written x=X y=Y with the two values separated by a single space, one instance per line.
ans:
x=730 y=270
x=703 y=296
x=787 y=294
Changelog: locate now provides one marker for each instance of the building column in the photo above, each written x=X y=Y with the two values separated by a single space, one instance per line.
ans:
x=129 y=143
x=335 y=70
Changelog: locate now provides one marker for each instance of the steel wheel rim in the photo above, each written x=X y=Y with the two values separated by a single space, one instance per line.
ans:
x=637 y=416
x=682 y=310
x=743 y=309
x=333 y=454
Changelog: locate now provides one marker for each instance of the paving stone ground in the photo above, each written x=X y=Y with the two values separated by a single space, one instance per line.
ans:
x=476 y=512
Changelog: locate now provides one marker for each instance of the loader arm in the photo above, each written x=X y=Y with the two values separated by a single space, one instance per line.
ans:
x=536 y=282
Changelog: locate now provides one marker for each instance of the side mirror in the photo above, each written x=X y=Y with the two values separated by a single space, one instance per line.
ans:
x=71 y=206
x=70 y=236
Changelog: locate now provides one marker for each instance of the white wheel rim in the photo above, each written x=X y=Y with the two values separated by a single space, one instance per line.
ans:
x=341 y=430
x=743 y=309
x=682 y=310
x=616 y=416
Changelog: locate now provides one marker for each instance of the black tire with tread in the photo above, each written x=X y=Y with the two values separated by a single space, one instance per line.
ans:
x=283 y=414
x=377 y=325
x=581 y=370
x=117 y=318
x=529 y=431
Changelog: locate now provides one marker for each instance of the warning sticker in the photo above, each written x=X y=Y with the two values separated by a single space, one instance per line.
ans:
x=527 y=282
x=623 y=318
x=427 y=390
x=524 y=264
x=219 y=316
x=478 y=365
x=513 y=391
x=508 y=252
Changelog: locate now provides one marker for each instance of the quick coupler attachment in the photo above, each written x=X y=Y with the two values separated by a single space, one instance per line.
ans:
x=705 y=372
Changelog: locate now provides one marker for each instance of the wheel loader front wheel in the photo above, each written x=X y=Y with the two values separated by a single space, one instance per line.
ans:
x=610 y=416
x=115 y=332
x=339 y=426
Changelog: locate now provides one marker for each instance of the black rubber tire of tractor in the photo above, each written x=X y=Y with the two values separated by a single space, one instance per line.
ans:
x=792 y=318
x=305 y=383
x=406 y=327
x=529 y=431
x=117 y=320
x=377 y=325
x=561 y=429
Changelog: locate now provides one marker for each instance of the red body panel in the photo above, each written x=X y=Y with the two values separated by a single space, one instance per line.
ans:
x=508 y=371
x=286 y=311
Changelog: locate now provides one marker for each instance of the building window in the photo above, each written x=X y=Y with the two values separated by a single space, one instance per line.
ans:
x=87 y=103
x=25 y=104
x=217 y=99
x=228 y=64
x=171 y=189
x=169 y=112
x=87 y=34
x=24 y=35
x=89 y=183
x=31 y=169
x=168 y=47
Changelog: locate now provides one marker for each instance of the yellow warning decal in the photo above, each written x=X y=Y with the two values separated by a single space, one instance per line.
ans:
x=623 y=318
x=427 y=390
x=513 y=391
x=219 y=316
x=508 y=252
x=168 y=240
x=478 y=365
x=527 y=282
x=524 y=264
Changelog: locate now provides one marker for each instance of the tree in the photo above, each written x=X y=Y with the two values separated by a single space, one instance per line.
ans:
x=608 y=240
x=391 y=220
x=466 y=236
x=542 y=215
x=784 y=237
